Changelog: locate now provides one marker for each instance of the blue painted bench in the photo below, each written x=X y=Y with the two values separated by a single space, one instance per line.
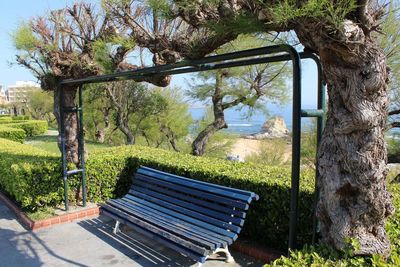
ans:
x=192 y=217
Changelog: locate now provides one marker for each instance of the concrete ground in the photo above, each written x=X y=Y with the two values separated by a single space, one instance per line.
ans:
x=89 y=242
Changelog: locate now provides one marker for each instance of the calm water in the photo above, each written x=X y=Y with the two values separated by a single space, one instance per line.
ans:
x=238 y=123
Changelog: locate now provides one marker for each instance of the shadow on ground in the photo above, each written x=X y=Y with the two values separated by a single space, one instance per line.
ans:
x=146 y=252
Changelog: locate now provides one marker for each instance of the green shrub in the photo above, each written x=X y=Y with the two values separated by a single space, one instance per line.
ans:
x=33 y=178
x=110 y=171
x=5 y=115
x=30 y=175
x=21 y=118
x=31 y=128
x=324 y=256
x=14 y=134
x=5 y=118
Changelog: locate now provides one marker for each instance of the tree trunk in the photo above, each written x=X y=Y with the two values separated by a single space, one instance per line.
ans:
x=353 y=201
x=200 y=143
x=70 y=123
x=100 y=134
x=123 y=126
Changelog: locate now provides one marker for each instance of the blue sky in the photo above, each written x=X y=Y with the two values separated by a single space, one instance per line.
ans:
x=15 y=11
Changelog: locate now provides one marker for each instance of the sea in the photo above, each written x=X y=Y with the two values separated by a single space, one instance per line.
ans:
x=241 y=124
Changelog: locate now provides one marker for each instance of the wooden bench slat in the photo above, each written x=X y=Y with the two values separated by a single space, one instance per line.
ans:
x=207 y=233
x=156 y=230
x=219 y=189
x=220 y=208
x=186 y=218
x=149 y=196
x=190 y=216
x=166 y=226
x=195 y=192
x=217 y=207
x=171 y=197
x=209 y=241
x=157 y=238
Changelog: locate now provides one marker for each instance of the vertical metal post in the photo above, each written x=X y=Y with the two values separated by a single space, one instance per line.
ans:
x=62 y=140
x=81 y=141
x=321 y=105
x=296 y=129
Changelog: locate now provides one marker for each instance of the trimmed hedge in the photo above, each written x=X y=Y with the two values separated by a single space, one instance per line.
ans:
x=110 y=171
x=21 y=118
x=14 y=134
x=33 y=178
x=30 y=127
x=30 y=175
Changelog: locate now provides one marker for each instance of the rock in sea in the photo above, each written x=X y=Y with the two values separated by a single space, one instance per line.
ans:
x=272 y=128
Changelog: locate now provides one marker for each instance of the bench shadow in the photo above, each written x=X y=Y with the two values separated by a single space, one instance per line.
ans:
x=134 y=245
x=146 y=252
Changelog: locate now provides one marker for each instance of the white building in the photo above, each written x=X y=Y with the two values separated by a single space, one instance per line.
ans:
x=3 y=96
x=18 y=93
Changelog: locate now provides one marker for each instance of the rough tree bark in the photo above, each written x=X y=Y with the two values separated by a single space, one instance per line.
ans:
x=100 y=134
x=353 y=200
x=70 y=123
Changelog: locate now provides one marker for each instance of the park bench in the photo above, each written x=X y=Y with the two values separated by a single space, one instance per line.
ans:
x=192 y=217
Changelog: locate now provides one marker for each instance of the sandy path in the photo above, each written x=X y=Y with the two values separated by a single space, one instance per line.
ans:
x=244 y=147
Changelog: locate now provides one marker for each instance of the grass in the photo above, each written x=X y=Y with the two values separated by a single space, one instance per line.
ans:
x=41 y=214
x=49 y=143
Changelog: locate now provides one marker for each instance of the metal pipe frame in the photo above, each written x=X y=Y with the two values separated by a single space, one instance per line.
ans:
x=236 y=59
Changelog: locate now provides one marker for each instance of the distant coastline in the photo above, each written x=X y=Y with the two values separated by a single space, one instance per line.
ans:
x=239 y=123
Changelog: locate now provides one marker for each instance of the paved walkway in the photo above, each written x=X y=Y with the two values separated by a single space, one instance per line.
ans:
x=88 y=243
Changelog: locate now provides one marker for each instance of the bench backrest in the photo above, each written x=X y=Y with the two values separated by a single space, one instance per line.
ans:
x=215 y=206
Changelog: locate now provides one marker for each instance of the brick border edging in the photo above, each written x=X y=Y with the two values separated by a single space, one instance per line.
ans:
x=35 y=225
x=263 y=254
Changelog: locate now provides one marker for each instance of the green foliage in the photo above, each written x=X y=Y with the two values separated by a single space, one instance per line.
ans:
x=393 y=144
x=308 y=150
x=40 y=105
x=102 y=55
x=110 y=172
x=29 y=175
x=17 y=135
x=18 y=129
x=332 y=12
x=103 y=51
x=20 y=118
x=5 y=119
x=171 y=123
x=241 y=24
x=323 y=256
x=31 y=127
x=271 y=152
x=24 y=38
x=32 y=177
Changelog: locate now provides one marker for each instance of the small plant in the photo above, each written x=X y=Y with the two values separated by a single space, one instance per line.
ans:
x=271 y=152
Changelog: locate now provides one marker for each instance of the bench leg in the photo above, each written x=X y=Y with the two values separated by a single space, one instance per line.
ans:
x=229 y=258
x=116 y=228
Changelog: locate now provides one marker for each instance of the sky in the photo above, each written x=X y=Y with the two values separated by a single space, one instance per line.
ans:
x=13 y=12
